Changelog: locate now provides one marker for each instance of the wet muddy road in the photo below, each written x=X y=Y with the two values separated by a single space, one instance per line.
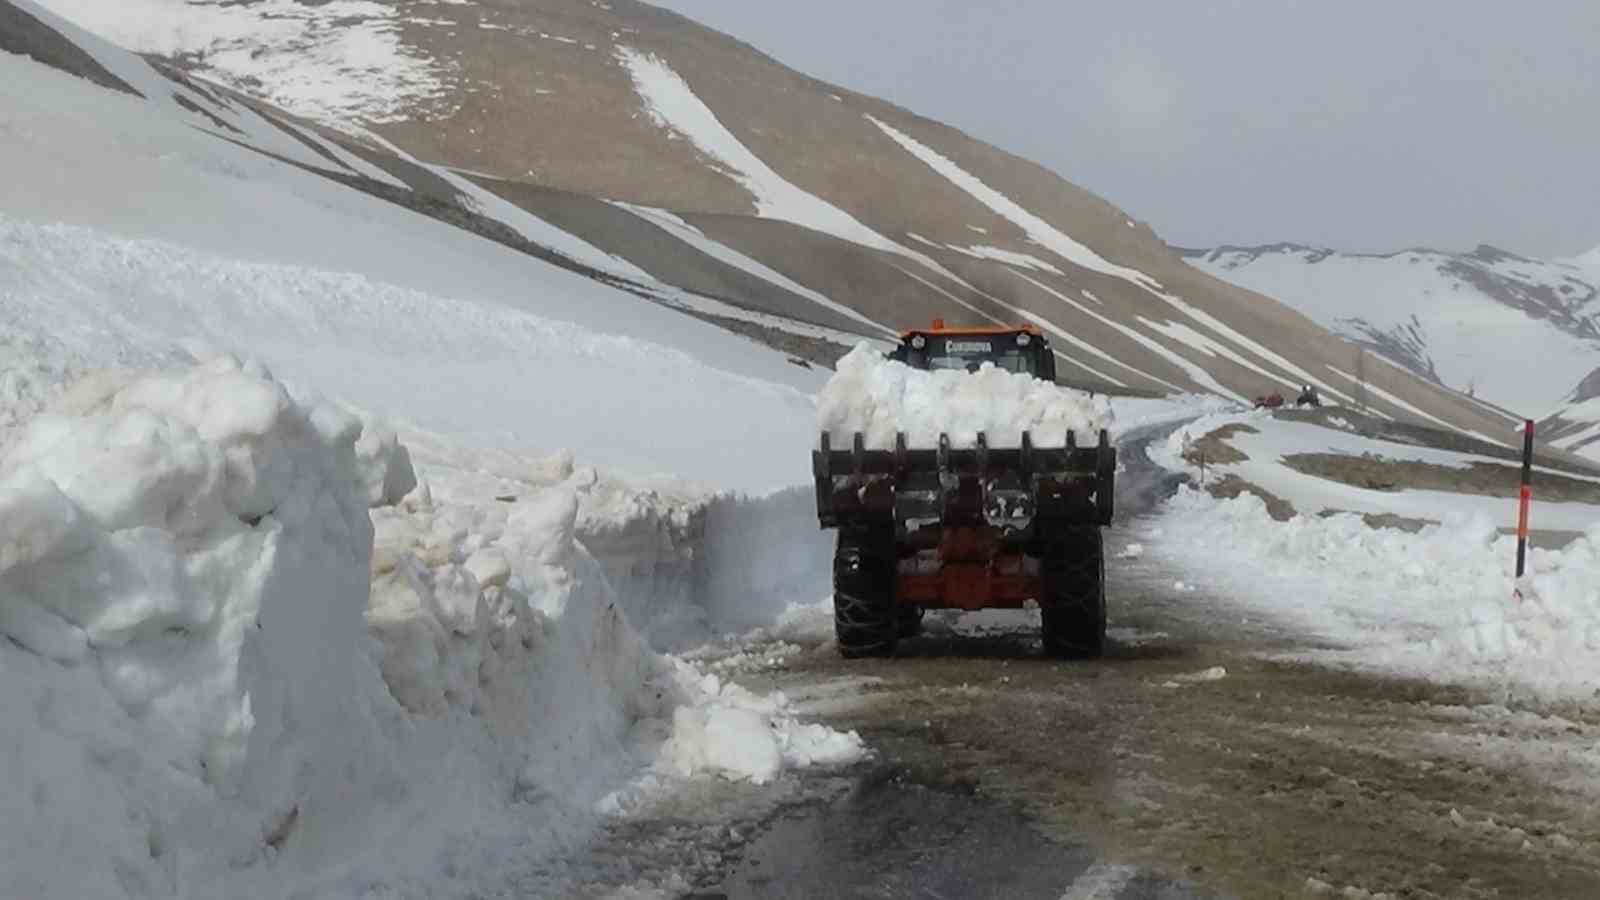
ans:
x=1186 y=763
x=1186 y=756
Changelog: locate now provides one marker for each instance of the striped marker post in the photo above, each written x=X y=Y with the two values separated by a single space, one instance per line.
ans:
x=1525 y=498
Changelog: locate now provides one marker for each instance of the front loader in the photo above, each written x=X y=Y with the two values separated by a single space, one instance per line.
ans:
x=968 y=528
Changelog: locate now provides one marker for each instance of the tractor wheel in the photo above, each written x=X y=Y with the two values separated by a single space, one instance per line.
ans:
x=909 y=619
x=864 y=615
x=1073 y=572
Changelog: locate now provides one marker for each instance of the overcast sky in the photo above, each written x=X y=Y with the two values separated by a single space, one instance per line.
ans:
x=1366 y=125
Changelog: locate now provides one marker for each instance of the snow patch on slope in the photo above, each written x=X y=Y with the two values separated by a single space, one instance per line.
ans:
x=335 y=61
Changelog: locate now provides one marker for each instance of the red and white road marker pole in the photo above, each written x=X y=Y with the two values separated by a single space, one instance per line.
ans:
x=1525 y=499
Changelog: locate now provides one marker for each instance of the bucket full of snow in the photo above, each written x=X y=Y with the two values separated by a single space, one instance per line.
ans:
x=880 y=397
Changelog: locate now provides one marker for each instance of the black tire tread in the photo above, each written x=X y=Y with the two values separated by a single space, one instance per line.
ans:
x=865 y=620
x=1073 y=608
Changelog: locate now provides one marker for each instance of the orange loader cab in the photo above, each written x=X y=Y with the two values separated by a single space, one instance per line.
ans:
x=1021 y=348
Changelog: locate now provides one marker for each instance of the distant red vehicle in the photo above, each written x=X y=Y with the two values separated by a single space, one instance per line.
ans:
x=1270 y=401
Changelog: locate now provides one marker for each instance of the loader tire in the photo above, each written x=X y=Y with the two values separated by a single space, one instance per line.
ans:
x=864 y=615
x=908 y=620
x=1073 y=573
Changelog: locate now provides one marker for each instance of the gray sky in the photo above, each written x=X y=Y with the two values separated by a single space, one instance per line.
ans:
x=1366 y=125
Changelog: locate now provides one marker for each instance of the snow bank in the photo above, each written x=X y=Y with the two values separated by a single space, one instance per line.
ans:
x=880 y=397
x=762 y=559
x=458 y=625
x=183 y=570
x=1266 y=441
x=225 y=676
x=1438 y=604
x=688 y=566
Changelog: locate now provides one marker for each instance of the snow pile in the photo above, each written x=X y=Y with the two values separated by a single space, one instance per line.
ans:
x=32 y=369
x=737 y=734
x=385 y=465
x=879 y=397
x=183 y=570
x=1440 y=603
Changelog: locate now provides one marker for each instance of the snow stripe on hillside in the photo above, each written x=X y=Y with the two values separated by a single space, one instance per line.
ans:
x=721 y=252
x=1222 y=328
x=993 y=254
x=538 y=230
x=673 y=105
x=349 y=160
x=531 y=227
x=1009 y=257
x=1196 y=373
x=1038 y=230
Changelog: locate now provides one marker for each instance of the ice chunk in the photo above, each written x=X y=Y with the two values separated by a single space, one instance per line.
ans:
x=385 y=465
x=36 y=519
x=489 y=567
x=1215 y=673
x=733 y=741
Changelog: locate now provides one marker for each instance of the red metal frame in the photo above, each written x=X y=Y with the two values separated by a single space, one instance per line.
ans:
x=975 y=571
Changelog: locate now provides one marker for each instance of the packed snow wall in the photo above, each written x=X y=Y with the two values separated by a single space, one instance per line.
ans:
x=183 y=575
x=247 y=652
x=762 y=557
x=690 y=568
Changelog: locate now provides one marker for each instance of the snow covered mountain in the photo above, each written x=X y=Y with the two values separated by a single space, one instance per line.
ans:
x=677 y=164
x=1518 y=332
x=1462 y=319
